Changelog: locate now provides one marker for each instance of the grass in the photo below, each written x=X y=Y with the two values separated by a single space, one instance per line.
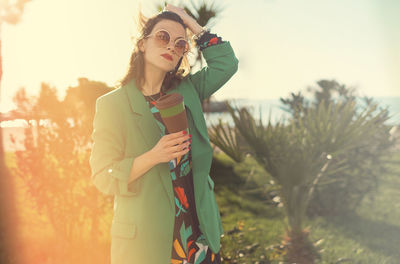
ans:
x=371 y=234
x=253 y=223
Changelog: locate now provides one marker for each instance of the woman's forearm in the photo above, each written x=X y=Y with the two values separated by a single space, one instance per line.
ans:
x=194 y=26
x=141 y=164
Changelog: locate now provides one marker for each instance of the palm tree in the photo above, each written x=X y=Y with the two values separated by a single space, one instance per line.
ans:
x=297 y=154
x=10 y=12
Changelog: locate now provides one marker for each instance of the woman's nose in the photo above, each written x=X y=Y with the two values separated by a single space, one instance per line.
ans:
x=171 y=45
x=171 y=48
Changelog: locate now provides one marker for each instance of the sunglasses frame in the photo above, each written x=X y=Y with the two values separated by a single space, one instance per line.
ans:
x=169 y=34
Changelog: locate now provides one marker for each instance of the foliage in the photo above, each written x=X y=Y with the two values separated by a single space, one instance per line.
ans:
x=55 y=169
x=370 y=235
x=11 y=11
x=342 y=191
x=300 y=152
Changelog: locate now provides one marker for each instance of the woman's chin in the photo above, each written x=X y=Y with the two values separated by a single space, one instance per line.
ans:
x=166 y=67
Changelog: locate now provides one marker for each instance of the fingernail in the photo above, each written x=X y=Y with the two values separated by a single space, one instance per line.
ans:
x=190 y=135
x=184 y=132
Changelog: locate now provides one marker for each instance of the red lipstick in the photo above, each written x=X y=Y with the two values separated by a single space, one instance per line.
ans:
x=167 y=56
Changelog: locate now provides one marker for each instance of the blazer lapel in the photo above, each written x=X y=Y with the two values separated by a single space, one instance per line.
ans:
x=145 y=120
x=150 y=130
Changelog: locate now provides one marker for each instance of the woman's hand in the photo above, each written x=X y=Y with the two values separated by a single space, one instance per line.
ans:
x=180 y=11
x=189 y=21
x=171 y=146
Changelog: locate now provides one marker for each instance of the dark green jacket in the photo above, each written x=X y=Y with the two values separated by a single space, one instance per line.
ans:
x=144 y=210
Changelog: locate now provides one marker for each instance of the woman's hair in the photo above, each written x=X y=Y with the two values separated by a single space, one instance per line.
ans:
x=136 y=63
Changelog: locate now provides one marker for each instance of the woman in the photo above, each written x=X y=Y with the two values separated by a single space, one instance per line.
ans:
x=164 y=204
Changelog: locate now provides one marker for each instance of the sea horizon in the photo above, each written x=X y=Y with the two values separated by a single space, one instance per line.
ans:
x=274 y=107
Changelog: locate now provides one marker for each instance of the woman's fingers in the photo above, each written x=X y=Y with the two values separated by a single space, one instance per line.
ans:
x=178 y=150
x=172 y=145
x=175 y=135
x=180 y=11
x=182 y=152
x=179 y=147
x=176 y=139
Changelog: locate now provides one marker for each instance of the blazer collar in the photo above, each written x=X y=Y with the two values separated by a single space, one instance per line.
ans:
x=136 y=98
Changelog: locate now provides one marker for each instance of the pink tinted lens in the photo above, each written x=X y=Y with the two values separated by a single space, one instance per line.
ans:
x=181 y=45
x=162 y=37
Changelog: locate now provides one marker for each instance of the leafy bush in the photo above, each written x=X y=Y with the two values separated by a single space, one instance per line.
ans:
x=339 y=192
x=54 y=168
x=300 y=154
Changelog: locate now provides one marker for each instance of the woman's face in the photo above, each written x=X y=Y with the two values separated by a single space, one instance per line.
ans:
x=153 y=51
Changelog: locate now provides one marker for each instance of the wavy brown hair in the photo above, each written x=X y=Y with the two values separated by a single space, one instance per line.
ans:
x=136 y=64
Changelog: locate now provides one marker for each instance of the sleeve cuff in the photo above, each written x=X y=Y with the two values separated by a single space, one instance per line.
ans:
x=120 y=174
x=222 y=49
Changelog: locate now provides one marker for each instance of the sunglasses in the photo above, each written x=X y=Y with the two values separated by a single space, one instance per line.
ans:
x=163 y=38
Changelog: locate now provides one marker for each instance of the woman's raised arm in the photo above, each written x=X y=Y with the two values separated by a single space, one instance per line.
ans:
x=221 y=60
x=222 y=64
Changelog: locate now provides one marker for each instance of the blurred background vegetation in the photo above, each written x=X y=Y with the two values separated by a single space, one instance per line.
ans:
x=317 y=187
x=320 y=186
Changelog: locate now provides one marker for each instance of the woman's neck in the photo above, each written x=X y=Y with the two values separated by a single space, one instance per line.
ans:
x=153 y=79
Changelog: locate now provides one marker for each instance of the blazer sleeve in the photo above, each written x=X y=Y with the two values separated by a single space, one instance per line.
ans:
x=222 y=64
x=110 y=171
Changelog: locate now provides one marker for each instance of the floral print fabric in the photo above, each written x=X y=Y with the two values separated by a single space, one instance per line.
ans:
x=208 y=39
x=188 y=244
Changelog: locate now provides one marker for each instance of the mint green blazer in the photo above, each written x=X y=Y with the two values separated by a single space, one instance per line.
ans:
x=144 y=210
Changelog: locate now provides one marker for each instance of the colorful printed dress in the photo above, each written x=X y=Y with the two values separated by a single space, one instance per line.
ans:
x=188 y=244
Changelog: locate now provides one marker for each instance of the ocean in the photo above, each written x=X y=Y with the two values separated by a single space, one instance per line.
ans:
x=272 y=108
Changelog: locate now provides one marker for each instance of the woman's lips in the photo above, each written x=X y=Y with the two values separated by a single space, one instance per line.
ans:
x=167 y=56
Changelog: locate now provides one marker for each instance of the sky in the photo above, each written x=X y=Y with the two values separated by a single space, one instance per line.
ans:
x=282 y=46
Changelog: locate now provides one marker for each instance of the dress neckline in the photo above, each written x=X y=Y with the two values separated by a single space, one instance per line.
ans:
x=156 y=96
